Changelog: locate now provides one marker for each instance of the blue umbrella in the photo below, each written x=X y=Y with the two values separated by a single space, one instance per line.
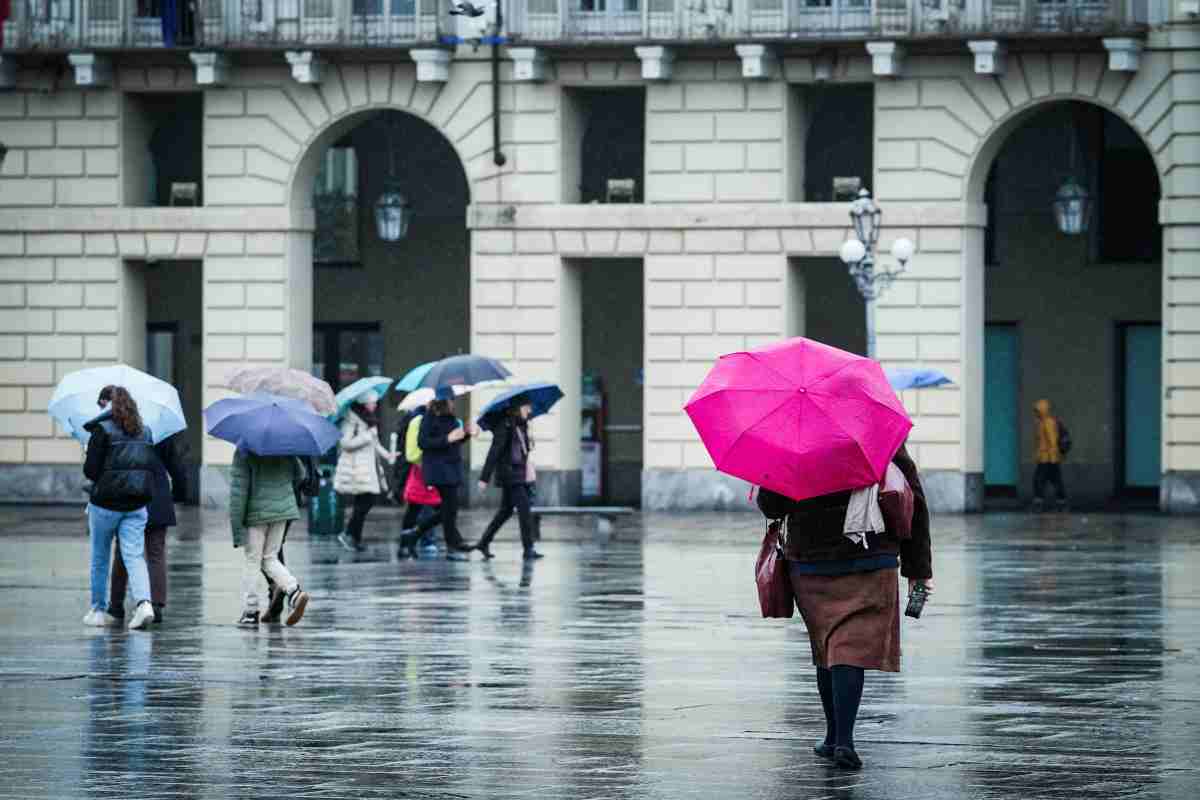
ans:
x=412 y=381
x=541 y=395
x=74 y=401
x=464 y=370
x=269 y=425
x=924 y=378
x=354 y=392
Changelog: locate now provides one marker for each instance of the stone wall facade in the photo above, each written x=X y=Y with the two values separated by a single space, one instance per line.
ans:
x=721 y=222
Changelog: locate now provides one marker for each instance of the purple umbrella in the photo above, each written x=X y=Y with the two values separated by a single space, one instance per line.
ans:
x=268 y=425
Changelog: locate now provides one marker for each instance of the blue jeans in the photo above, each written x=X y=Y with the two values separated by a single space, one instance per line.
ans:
x=130 y=529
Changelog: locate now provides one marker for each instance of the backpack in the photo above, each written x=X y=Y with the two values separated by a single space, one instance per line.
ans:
x=1064 y=438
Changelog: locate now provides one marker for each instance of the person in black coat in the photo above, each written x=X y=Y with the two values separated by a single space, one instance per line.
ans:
x=508 y=461
x=168 y=473
x=441 y=440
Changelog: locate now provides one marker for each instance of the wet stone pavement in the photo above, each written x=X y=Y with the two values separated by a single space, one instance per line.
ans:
x=1060 y=658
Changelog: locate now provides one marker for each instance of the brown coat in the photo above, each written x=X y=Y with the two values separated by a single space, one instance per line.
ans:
x=814 y=527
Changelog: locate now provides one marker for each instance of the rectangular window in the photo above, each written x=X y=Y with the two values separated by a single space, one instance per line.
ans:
x=343 y=352
x=335 y=202
x=838 y=137
x=605 y=137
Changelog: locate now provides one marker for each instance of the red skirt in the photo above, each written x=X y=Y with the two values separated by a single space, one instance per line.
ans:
x=417 y=492
x=852 y=619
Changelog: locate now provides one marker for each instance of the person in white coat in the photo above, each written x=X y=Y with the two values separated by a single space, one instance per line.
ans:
x=358 y=467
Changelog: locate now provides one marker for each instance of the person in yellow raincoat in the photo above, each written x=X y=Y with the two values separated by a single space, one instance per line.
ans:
x=1049 y=457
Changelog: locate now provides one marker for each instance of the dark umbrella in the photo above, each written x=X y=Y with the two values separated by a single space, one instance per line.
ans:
x=268 y=425
x=464 y=370
x=542 y=396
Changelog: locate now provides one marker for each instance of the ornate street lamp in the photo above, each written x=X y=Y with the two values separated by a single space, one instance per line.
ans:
x=859 y=256
x=1072 y=208
x=393 y=214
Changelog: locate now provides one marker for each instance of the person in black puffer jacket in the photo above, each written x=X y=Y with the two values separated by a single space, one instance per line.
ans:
x=509 y=461
x=441 y=439
x=121 y=463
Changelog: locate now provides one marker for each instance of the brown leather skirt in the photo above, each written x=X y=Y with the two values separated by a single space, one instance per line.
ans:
x=852 y=619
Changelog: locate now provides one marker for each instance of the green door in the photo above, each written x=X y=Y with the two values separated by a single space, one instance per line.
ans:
x=1001 y=421
x=1142 y=405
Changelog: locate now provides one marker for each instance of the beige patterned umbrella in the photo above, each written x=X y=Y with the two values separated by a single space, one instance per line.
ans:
x=286 y=382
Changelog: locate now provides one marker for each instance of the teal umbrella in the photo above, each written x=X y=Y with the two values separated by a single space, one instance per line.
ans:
x=412 y=380
x=354 y=392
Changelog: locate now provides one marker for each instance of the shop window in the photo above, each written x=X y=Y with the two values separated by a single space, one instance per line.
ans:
x=837 y=134
x=335 y=202
x=343 y=352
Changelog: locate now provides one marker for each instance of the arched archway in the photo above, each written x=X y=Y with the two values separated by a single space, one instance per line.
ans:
x=1072 y=319
x=383 y=307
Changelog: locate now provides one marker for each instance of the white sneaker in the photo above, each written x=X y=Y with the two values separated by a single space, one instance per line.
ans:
x=100 y=619
x=142 y=617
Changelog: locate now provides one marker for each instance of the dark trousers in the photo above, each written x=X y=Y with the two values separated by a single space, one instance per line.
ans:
x=363 y=503
x=411 y=515
x=515 y=497
x=156 y=564
x=1052 y=474
x=447 y=517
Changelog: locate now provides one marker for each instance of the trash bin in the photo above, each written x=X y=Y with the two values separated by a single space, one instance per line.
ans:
x=326 y=516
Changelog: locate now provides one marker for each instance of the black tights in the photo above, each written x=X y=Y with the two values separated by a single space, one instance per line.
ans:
x=447 y=517
x=841 y=689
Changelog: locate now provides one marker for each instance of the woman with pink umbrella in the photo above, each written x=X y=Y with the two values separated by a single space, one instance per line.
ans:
x=816 y=428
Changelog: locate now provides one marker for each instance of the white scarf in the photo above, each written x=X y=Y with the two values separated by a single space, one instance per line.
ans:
x=863 y=515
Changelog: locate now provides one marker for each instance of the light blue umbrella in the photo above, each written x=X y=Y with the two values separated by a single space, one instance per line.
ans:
x=354 y=392
x=74 y=402
x=923 y=378
x=412 y=381
x=268 y=425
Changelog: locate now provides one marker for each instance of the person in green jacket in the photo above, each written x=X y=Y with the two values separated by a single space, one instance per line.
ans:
x=262 y=502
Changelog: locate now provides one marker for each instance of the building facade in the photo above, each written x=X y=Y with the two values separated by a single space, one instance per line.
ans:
x=530 y=243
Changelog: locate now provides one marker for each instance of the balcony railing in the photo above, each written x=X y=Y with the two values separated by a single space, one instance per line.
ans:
x=118 y=24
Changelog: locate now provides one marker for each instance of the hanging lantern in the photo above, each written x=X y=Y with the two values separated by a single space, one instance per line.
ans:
x=1072 y=208
x=392 y=215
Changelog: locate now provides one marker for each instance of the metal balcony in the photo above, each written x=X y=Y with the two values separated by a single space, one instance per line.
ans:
x=131 y=24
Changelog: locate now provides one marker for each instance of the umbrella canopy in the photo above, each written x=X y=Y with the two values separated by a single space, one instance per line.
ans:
x=922 y=378
x=74 y=401
x=800 y=418
x=268 y=425
x=542 y=396
x=464 y=370
x=286 y=382
x=354 y=392
x=424 y=396
x=412 y=380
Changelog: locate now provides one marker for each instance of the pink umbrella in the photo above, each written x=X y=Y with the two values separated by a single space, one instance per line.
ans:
x=800 y=418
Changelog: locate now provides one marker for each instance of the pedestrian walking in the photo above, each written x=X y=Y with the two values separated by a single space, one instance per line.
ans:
x=848 y=595
x=358 y=468
x=1049 y=457
x=262 y=502
x=423 y=500
x=168 y=474
x=305 y=489
x=510 y=465
x=441 y=438
x=121 y=463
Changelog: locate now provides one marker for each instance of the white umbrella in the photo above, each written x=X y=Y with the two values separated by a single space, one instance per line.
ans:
x=74 y=402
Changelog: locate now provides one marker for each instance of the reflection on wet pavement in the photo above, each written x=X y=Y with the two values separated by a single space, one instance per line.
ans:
x=1059 y=658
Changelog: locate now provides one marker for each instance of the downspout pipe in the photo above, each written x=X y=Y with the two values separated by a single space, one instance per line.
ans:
x=497 y=157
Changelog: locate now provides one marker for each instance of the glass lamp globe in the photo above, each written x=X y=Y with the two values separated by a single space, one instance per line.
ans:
x=902 y=249
x=853 y=251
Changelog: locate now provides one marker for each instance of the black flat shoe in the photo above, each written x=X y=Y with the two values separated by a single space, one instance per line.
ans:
x=825 y=751
x=485 y=551
x=532 y=555
x=846 y=758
